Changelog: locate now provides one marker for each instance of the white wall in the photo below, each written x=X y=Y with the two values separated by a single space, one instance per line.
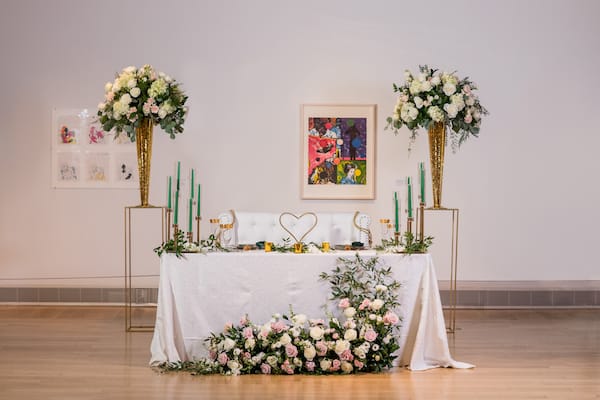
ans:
x=526 y=188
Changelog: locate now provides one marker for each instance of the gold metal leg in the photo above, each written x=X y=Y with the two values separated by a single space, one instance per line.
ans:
x=129 y=327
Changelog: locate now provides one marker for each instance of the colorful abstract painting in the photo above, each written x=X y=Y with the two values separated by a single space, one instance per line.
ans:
x=338 y=151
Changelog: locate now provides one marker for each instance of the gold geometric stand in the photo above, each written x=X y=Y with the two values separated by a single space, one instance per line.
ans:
x=129 y=327
x=451 y=320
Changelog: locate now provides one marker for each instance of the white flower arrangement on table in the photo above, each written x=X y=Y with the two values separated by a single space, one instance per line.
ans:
x=435 y=96
x=142 y=93
x=364 y=342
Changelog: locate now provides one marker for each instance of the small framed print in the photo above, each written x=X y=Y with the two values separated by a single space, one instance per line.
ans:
x=85 y=156
x=338 y=151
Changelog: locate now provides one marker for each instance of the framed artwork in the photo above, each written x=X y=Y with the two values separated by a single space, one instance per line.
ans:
x=338 y=151
x=84 y=156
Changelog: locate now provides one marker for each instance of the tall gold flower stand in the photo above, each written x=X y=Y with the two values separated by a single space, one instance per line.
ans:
x=131 y=213
x=451 y=309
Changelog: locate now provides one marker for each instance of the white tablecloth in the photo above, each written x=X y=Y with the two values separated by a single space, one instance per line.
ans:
x=201 y=293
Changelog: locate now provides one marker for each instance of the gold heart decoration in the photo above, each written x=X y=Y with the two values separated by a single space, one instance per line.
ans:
x=298 y=218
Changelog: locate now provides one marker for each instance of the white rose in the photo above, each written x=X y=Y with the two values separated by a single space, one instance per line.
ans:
x=379 y=319
x=310 y=352
x=451 y=109
x=297 y=362
x=250 y=343
x=285 y=339
x=131 y=83
x=418 y=102
x=350 y=334
x=130 y=69
x=349 y=312
x=341 y=346
x=426 y=86
x=101 y=106
x=228 y=344
x=233 y=365
x=316 y=332
x=237 y=351
x=272 y=361
x=470 y=100
x=409 y=112
x=325 y=364
x=107 y=87
x=125 y=99
x=299 y=319
x=449 y=89
x=376 y=304
x=435 y=80
x=360 y=352
x=381 y=288
x=135 y=91
x=476 y=115
x=162 y=113
x=347 y=367
x=372 y=317
x=421 y=77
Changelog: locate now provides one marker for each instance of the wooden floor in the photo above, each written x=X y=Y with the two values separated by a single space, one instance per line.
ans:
x=83 y=353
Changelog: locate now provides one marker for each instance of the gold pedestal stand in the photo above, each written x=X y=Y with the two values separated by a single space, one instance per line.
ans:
x=451 y=320
x=165 y=215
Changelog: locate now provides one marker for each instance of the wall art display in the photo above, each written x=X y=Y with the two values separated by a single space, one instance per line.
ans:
x=338 y=151
x=85 y=156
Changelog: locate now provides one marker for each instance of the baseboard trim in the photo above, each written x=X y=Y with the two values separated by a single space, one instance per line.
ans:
x=577 y=296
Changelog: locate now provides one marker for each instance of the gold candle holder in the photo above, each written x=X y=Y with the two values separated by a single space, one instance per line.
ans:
x=396 y=238
x=409 y=223
x=168 y=224
x=175 y=232
x=298 y=248
x=198 y=218
x=190 y=236
x=326 y=247
x=268 y=247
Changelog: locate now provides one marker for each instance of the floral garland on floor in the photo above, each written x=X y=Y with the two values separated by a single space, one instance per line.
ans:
x=365 y=341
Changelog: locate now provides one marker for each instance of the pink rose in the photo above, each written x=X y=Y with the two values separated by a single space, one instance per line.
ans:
x=278 y=326
x=247 y=332
x=265 y=368
x=335 y=336
x=365 y=303
x=321 y=348
x=244 y=320
x=310 y=366
x=291 y=350
x=212 y=355
x=228 y=326
x=344 y=303
x=335 y=365
x=370 y=335
x=154 y=109
x=346 y=355
x=287 y=368
x=223 y=358
x=466 y=89
x=246 y=355
x=358 y=364
x=468 y=118
x=390 y=318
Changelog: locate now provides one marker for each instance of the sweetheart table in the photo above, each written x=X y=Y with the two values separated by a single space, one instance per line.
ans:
x=203 y=292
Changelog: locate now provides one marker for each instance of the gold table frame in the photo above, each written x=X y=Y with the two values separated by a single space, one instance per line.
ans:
x=129 y=327
x=451 y=321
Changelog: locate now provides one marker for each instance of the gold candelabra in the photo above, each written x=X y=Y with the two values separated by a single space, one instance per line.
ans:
x=198 y=218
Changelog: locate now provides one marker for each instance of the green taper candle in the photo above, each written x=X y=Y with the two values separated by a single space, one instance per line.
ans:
x=422 y=176
x=396 y=220
x=410 y=214
x=178 y=173
x=169 y=193
x=192 y=185
x=176 y=214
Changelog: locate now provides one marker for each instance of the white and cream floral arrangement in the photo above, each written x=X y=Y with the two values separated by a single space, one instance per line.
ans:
x=138 y=94
x=436 y=96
